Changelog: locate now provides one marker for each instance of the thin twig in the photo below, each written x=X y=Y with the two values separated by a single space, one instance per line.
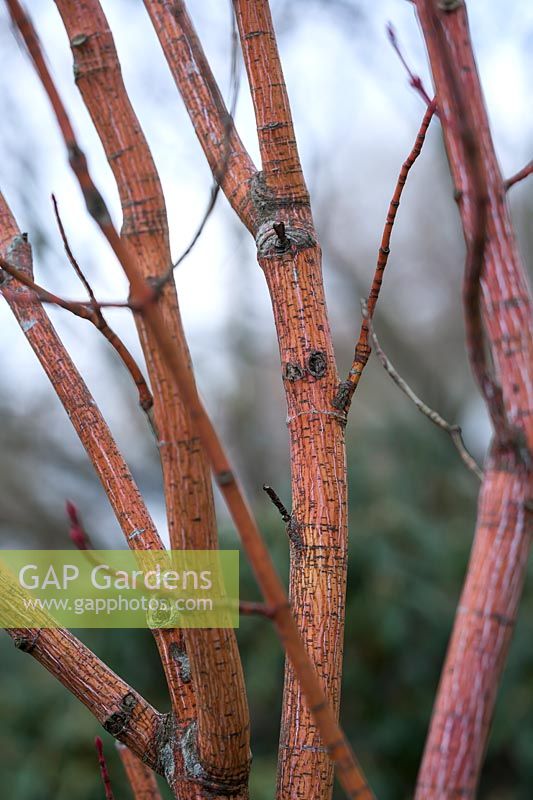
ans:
x=78 y=307
x=92 y=313
x=251 y=608
x=68 y=250
x=453 y=430
x=106 y=780
x=145 y=396
x=415 y=81
x=519 y=176
x=347 y=388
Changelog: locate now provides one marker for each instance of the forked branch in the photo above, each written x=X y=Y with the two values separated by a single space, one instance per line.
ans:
x=94 y=315
x=282 y=171
x=202 y=98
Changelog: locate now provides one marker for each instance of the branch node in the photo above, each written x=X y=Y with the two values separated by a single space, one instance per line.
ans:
x=78 y=40
x=119 y=720
x=278 y=503
x=293 y=372
x=26 y=643
x=343 y=395
x=317 y=363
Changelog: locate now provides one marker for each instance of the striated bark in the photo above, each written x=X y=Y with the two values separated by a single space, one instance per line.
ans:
x=290 y=257
x=125 y=499
x=217 y=690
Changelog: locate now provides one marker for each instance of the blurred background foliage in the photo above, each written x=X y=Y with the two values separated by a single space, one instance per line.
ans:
x=412 y=503
x=411 y=522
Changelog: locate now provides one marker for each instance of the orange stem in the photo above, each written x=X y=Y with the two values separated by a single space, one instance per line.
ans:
x=498 y=311
x=141 y=778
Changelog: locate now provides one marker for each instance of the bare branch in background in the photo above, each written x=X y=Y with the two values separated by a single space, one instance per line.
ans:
x=106 y=780
x=415 y=81
x=97 y=318
x=141 y=778
x=453 y=430
x=519 y=176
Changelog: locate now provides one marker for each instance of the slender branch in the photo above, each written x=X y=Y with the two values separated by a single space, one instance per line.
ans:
x=215 y=189
x=519 y=176
x=202 y=98
x=251 y=608
x=106 y=780
x=281 y=168
x=141 y=779
x=140 y=290
x=347 y=388
x=463 y=119
x=41 y=295
x=487 y=610
x=453 y=430
x=97 y=318
x=80 y=308
x=415 y=81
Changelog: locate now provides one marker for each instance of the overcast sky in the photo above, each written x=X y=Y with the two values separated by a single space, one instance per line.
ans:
x=355 y=117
